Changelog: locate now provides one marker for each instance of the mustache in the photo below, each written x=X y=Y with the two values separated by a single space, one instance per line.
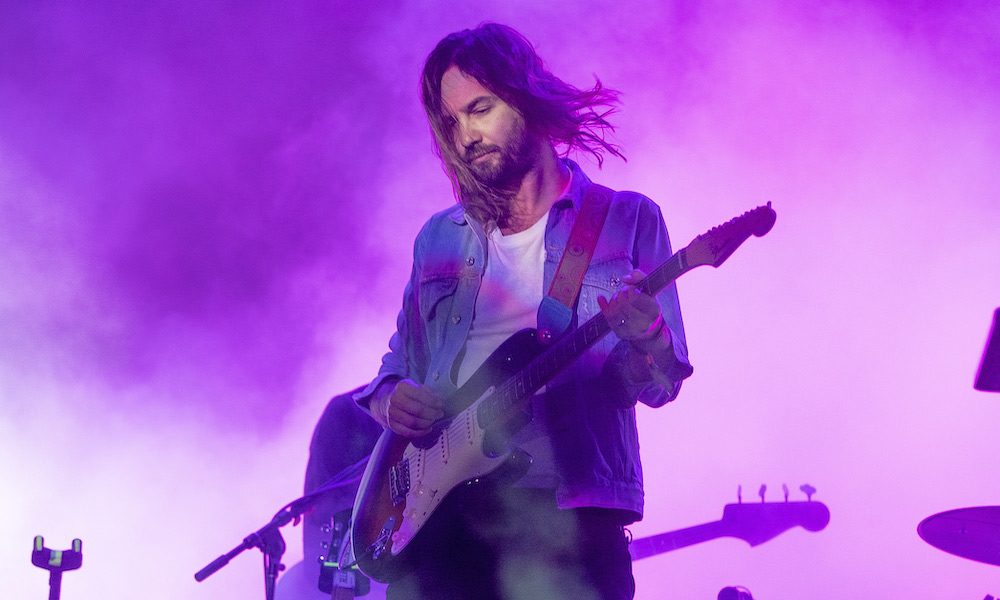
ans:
x=474 y=152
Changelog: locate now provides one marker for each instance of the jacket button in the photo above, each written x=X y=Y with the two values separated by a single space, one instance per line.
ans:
x=470 y=261
x=456 y=319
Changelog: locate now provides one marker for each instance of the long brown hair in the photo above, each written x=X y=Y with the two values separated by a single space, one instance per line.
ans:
x=506 y=63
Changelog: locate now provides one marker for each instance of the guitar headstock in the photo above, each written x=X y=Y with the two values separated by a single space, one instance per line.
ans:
x=758 y=522
x=716 y=245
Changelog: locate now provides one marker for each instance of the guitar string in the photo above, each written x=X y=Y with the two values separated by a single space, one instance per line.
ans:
x=541 y=368
x=659 y=278
x=537 y=371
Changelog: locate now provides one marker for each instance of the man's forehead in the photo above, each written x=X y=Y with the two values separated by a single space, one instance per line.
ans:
x=459 y=89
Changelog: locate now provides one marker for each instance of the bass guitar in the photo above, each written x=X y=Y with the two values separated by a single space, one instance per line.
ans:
x=752 y=522
x=406 y=480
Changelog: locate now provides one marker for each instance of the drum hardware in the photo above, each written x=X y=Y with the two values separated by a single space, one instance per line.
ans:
x=988 y=377
x=974 y=532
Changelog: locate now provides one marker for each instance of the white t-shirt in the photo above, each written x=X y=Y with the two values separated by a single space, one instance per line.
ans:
x=509 y=295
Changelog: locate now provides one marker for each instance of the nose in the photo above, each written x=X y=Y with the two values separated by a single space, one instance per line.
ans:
x=468 y=135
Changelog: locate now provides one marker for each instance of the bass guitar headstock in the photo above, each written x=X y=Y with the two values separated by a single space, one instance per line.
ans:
x=759 y=522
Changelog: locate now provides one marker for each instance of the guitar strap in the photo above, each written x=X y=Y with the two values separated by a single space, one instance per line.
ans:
x=555 y=313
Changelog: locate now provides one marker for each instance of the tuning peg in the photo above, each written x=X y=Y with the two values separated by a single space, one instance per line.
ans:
x=739 y=494
x=761 y=491
x=808 y=490
x=784 y=488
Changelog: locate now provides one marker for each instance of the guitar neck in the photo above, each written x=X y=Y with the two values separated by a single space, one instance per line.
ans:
x=665 y=274
x=674 y=540
x=546 y=365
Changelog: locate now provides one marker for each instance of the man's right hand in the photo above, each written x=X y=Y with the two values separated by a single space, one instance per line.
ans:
x=407 y=408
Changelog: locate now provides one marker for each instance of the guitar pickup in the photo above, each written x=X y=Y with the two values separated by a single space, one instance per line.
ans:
x=399 y=481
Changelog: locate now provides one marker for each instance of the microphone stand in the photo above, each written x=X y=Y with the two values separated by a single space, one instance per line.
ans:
x=268 y=539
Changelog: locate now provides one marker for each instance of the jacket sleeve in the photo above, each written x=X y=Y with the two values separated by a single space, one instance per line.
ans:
x=653 y=381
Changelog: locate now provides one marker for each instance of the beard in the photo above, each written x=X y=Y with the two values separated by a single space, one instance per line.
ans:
x=504 y=166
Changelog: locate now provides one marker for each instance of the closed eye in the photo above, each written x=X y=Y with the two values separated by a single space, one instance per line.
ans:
x=480 y=106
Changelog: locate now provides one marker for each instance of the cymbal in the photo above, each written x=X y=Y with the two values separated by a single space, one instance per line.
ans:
x=972 y=533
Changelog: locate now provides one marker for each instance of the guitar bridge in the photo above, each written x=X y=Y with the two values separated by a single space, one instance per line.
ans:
x=399 y=481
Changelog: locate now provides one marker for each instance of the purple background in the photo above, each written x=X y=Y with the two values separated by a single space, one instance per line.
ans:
x=206 y=215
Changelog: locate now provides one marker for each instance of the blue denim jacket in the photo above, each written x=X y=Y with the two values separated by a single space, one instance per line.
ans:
x=588 y=409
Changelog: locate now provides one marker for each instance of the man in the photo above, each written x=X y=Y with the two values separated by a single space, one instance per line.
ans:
x=480 y=271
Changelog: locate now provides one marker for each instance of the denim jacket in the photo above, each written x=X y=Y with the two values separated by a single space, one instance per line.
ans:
x=588 y=409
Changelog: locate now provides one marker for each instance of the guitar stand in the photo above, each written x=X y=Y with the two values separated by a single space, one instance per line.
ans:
x=55 y=562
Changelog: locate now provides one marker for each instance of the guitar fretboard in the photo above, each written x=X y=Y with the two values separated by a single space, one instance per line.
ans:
x=674 y=540
x=546 y=365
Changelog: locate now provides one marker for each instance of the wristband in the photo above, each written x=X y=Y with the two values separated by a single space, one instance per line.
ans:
x=652 y=332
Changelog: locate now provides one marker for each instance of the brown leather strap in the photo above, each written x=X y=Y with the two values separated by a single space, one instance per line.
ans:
x=580 y=247
x=553 y=318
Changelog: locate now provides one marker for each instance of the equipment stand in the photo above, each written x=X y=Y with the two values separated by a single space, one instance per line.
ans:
x=55 y=562
x=268 y=539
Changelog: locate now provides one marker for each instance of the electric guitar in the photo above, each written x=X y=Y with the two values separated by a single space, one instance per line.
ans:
x=754 y=523
x=406 y=480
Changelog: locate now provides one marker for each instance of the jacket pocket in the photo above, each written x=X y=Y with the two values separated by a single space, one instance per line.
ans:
x=434 y=291
x=603 y=278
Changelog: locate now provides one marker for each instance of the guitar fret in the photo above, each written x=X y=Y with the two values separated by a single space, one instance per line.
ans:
x=378 y=527
x=566 y=353
x=535 y=375
x=545 y=366
x=537 y=371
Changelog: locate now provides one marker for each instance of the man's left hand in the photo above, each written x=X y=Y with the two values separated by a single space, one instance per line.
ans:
x=633 y=315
